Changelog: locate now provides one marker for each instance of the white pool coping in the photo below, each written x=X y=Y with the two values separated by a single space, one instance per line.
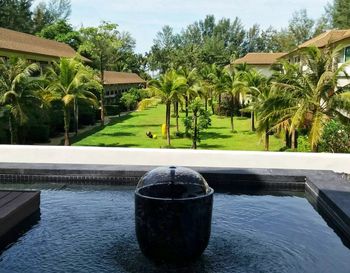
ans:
x=178 y=157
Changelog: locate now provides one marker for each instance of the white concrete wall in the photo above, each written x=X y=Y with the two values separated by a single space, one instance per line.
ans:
x=263 y=69
x=159 y=157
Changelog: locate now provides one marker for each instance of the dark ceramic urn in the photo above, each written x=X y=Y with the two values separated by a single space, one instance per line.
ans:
x=173 y=211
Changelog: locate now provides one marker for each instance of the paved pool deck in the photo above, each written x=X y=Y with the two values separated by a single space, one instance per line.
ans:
x=15 y=207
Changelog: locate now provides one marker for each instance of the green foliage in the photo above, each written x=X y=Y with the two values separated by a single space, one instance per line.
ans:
x=335 y=138
x=147 y=103
x=196 y=123
x=307 y=100
x=304 y=144
x=170 y=87
x=129 y=100
x=16 y=15
x=339 y=14
x=69 y=82
x=301 y=27
x=61 y=31
x=100 y=44
x=19 y=92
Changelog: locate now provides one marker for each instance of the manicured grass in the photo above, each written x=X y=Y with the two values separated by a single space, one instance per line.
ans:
x=130 y=131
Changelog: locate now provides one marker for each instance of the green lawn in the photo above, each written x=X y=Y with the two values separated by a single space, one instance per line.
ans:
x=130 y=131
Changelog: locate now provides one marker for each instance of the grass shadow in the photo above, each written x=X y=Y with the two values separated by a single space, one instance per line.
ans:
x=214 y=135
x=116 y=134
x=141 y=125
x=209 y=146
x=126 y=145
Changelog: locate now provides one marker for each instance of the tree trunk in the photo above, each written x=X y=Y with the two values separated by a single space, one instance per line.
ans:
x=177 y=115
x=76 y=116
x=287 y=136
x=167 y=122
x=267 y=138
x=253 y=121
x=66 y=125
x=102 y=102
x=293 y=146
x=186 y=106
x=206 y=103
x=12 y=129
x=232 y=110
x=219 y=105
x=194 y=144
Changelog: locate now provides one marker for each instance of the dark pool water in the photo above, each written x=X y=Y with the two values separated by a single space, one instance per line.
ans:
x=93 y=231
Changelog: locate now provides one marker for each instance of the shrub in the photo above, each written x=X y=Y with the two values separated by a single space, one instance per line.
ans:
x=112 y=110
x=129 y=100
x=303 y=144
x=38 y=133
x=335 y=138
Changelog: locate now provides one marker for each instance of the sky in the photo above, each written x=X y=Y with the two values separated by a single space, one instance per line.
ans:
x=144 y=18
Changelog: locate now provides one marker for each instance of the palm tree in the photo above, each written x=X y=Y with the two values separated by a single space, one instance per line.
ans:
x=254 y=80
x=18 y=91
x=69 y=82
x=234 y=87
x=310 y=95
x=207 y=82
x=218 y=80
x=169 y=86
x=191 y=80
x=266 y=115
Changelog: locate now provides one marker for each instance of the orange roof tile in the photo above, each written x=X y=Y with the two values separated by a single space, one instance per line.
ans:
x=259 y=58
x=113 y=77
x=326 y=38
x=25 y=43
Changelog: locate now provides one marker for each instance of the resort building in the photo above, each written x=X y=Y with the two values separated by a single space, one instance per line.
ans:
x=329 y=39
x=116 y=83
x=44 y=51
x=262 y=62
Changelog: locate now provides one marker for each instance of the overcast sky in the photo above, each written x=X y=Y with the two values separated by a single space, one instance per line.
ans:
x=144 y=18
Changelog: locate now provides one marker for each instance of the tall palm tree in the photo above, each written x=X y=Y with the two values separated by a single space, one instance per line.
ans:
x=206 y=78
x=311 y=95
x=169 y=86
x=217 y=77
x=69 y=82
x=191 y=80
x=255 y=81
x=18 y=91
x=234 y=87
x=261 y=105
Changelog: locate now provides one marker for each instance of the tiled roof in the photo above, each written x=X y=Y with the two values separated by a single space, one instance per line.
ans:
x=25 y=43
x=326 y=38
x=259 y=58
x=112 y=77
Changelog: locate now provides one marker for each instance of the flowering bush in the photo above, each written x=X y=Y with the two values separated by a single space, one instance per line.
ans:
x=335 y=138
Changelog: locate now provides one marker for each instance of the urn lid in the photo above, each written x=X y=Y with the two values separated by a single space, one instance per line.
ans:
x=190 y=181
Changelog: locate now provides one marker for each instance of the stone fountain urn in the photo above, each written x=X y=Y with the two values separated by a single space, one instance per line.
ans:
x=173 y=211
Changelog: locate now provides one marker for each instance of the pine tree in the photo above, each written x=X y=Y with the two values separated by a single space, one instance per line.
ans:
x=16 y=15
x=339 y=13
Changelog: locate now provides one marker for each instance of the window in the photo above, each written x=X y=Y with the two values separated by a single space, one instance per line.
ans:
x=347 y=54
